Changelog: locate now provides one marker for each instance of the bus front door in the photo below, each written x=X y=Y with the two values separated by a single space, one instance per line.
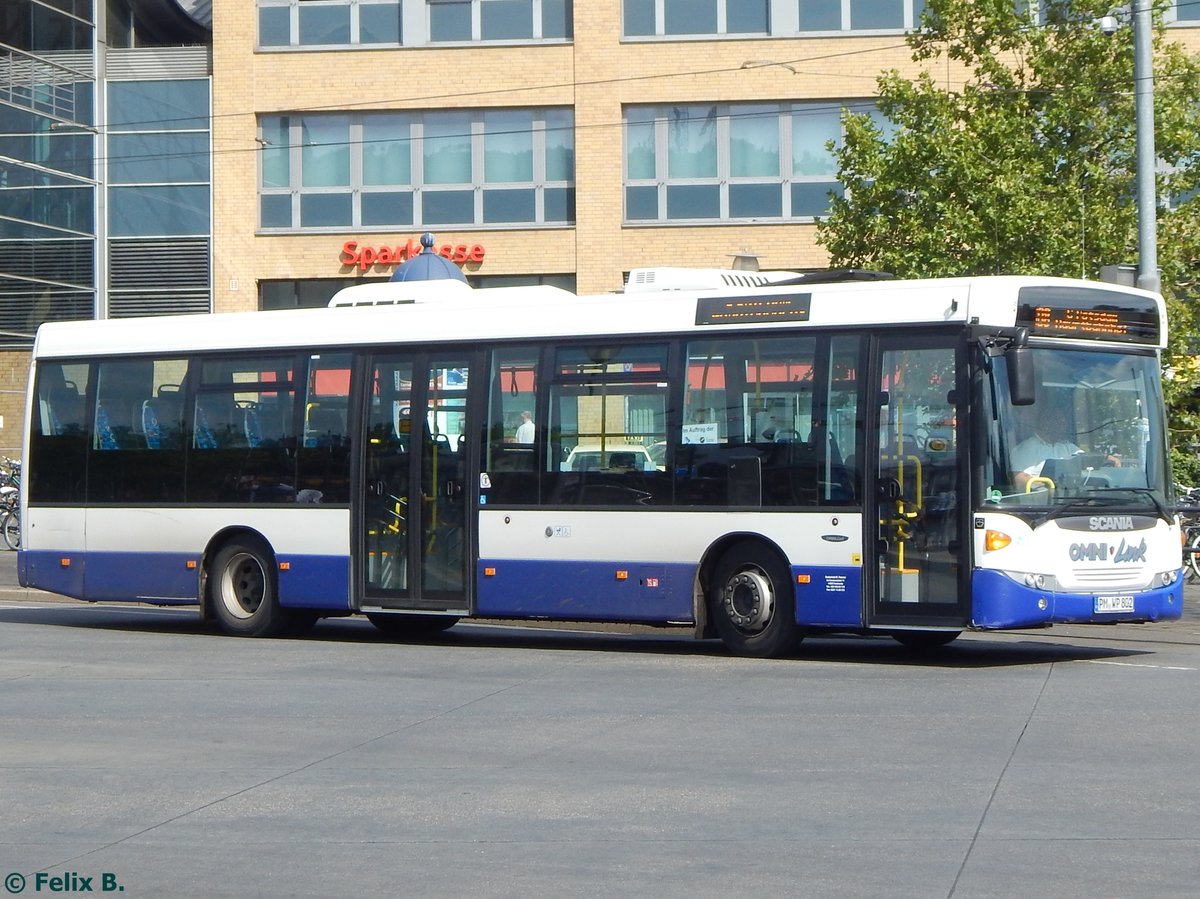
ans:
x=413 y=522
x=919 y=550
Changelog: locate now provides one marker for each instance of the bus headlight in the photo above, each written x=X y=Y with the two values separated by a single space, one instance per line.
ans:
x=1167 y=578
x=1034 y=580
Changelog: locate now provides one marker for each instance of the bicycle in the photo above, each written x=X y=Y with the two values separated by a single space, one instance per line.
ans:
x=10 y=503
x=1189 y=520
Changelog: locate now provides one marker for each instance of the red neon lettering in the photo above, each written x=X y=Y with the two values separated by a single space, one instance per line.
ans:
x=366 y=256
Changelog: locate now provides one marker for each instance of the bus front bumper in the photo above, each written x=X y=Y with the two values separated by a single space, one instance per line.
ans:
x=1000 y=602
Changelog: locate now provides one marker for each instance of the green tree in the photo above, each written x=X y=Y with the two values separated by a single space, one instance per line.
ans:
x=1014 y=152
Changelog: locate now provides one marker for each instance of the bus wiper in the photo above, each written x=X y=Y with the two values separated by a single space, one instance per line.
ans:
x=1086 y=503
x=1150 y=495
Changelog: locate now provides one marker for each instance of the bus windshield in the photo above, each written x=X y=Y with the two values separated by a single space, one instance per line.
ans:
x=1092 y=437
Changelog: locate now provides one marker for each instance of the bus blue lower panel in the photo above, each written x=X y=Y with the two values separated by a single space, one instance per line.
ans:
x=314 y=582
x=998 y=601
x=598 y=591
x=650 y=592
x=828 y=597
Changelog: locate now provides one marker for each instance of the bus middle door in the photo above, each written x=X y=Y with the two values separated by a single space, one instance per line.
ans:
x=921 y=574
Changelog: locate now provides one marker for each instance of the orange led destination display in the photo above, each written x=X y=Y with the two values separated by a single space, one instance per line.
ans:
x=747 y=310
x=1088 y=314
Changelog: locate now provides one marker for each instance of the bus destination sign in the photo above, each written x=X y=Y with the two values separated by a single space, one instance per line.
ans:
x=1083 y=313
x=751 y=310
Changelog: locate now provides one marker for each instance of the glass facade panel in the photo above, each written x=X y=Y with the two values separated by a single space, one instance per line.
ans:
x=872 y=14
x=747 y=16
x=501 y=206
x=324 y=25
x=448 y=207
x=158 y=105
x=557 y=19
x=753 y=141
x=275 y=156
x=820 y=15
x=755 y=201
x=449 y=21
x=507 y=146
x=274 y=26
x=638 y=17
x=693 y=201
x=811 y=133
x=387 y=208
x=142 y=158
x=326 y=211
x=692 y=142
x=158 y=210
x=506 y=20
x=559 y=204
x=560 y=145
x=811 y=198
x=690 y=16
x=447 y=148
x=379 y=23
x=386 y=149
x=276 y=210
x=326 y=151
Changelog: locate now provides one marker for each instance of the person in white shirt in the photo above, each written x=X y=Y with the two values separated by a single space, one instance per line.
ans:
x=526 y=430
x=1050 y=440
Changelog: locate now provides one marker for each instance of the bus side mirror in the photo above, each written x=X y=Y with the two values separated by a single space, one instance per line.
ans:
x=1021 y=386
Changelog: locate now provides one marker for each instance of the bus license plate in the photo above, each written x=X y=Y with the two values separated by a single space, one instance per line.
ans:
x=1114 y=603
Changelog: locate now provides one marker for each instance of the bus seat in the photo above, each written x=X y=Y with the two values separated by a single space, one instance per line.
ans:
x=203 y=437
x=252 y=426
x=105 y=439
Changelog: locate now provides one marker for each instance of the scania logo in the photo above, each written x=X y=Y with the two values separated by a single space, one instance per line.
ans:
x=1098 y=552
x=1111 y=522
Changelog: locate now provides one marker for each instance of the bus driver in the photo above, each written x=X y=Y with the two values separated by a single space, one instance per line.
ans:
x=1049 y=440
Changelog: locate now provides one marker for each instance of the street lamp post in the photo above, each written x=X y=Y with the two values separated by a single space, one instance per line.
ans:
x=1147 y=201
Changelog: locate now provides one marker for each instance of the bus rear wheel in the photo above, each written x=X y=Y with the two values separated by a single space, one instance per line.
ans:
x=752 y=602
x=244 y=590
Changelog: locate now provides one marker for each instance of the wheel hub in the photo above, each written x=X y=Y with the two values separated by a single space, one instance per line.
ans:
x=749 y=601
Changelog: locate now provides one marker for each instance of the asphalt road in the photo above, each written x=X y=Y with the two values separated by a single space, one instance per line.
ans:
x=142 y=750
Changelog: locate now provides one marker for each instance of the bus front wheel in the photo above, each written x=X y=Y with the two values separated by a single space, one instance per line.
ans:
x=244 y=590
x=752 y=602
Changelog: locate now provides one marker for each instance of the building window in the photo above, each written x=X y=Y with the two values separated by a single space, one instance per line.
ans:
x=389 y=170
x=373 y=23
x=460 y=21
x=649 y=18
x=328 y=23
x=730 y=162
x=860 y=15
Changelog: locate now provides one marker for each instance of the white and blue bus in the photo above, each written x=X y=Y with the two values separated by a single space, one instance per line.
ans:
x=760 y=456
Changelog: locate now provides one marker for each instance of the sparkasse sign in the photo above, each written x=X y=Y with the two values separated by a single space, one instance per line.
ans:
x=356 y=254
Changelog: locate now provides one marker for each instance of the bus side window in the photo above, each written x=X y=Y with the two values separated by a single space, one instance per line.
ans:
x=510 y=454
x=59 y=433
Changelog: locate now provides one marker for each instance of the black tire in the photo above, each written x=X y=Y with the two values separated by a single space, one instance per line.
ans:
x=10 y=524
x=244 y=590
x=752 y=602
x=925 y=640
x=412 y=626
